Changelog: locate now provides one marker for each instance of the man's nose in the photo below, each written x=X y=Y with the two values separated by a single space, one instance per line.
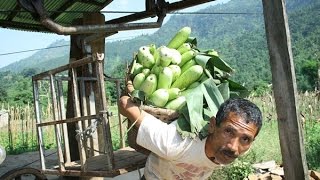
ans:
x=233 y=144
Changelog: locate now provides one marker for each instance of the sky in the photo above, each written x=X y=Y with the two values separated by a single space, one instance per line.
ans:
x=16 y=41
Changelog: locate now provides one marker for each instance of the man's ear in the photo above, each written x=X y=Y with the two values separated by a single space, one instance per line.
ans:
x=212 y=125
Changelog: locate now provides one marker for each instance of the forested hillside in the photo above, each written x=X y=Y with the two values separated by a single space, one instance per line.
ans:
x=235 y=30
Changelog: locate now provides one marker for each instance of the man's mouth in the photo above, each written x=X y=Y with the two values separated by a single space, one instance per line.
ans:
x=229 y=154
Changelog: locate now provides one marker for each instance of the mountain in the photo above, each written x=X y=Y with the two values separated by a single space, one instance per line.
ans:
x=53 y=56
x=239 y=39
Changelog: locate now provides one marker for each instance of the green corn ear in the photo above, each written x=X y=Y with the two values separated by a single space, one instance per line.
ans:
x=187 y=56
x=149 y=85
x=159 y=97
x=156 y=69
x=138 y=80
x=180 y=37
x=184 y=48
x=146 y=71
x=177 y=103
x=188 y=77
x=152 y=48
x=176 y=71
x=173 y=93
x=141 y=53
x=176 y=56
x=165 y=78
x=136 y=68
x=148 y=60
x=187 y=65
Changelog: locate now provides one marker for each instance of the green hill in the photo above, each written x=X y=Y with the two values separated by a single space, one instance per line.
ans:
x=239 y=39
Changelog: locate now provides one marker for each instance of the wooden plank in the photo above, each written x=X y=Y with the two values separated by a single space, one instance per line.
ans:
x=57 y=127
x=69 y=120
x=77 y=114
x=64 y=125
x=126 y=160
x=285 y=90
x=73 y=64
x=97 y=49
x=123 y=143
x=84 y=111
x=38 y=120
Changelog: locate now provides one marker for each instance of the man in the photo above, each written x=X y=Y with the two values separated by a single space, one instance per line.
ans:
x=231 y=134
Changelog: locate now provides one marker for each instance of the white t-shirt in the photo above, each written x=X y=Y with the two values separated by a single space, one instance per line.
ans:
x=172 y=157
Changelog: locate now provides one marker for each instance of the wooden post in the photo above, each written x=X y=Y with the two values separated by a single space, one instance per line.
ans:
x=285 y=90
x=123 y=143
x=98 y=47
x=75 y=53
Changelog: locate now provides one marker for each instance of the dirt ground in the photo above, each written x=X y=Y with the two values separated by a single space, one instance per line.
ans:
x=32 y=159
x=29 y=159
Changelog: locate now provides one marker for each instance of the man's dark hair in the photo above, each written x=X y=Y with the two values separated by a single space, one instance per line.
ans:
x=242 y=107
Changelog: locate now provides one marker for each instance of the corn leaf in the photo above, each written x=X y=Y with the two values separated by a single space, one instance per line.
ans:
x=192 y=40
x=218 y=62
x=195 y=109
x=212 y=95
x=224 y=90
x=237 y=90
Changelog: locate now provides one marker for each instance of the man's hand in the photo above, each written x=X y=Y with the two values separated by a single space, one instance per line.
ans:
x=131 y=110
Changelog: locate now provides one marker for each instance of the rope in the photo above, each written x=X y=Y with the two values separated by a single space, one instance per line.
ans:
x=89 y=131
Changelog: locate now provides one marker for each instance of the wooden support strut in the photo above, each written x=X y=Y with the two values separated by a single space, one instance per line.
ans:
x=285 y=90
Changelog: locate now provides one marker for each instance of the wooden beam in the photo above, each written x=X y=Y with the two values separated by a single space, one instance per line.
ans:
x=285 y=90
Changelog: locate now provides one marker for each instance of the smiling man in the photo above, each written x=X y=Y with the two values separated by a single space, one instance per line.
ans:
x=231 y=134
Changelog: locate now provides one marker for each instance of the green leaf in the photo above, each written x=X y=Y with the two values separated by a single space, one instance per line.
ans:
x=212 y=95
x=192 y=40
x=183 y=127
x=224 y=90
x=218 y=62
x=237 y=90
x=195 y=109
x=205 y=62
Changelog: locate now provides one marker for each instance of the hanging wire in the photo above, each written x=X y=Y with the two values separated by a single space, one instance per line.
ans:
x=131 y=12
x=178 y=13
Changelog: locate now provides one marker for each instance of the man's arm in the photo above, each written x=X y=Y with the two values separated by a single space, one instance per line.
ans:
x=130 y=110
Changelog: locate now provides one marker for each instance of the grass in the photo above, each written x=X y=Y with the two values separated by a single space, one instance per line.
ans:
x=266 y=146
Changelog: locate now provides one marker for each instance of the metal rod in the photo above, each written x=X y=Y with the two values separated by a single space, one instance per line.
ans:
x=88 y=29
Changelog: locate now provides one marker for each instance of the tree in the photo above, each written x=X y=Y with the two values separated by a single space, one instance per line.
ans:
x=310 y=70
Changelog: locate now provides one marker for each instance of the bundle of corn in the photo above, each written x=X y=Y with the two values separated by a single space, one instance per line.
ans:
x=182 y=78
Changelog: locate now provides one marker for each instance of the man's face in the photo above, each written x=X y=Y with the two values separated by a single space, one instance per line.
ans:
x=230 y=140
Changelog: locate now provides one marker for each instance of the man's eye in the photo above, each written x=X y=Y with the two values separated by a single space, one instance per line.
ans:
x=228 y=131
x=246 y=140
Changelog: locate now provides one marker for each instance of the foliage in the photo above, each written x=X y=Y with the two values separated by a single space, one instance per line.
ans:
x=310 y=71
x=313 y=144
x=240 y=39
